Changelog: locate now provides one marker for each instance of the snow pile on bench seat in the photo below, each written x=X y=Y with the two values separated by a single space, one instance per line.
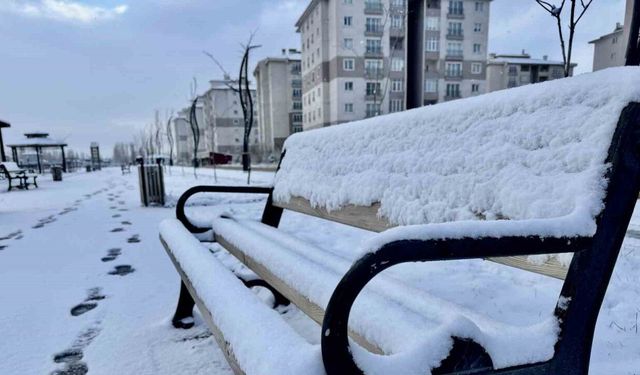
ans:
x=414 y=327
x=262 y=342
x=533 y=152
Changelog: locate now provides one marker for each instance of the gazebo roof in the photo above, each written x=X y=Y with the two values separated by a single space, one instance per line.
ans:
x=4 y=124
x=37 y=139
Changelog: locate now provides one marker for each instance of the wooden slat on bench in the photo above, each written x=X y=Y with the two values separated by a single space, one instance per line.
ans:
x=367 y=218
x=314 y=311
x=206 y=314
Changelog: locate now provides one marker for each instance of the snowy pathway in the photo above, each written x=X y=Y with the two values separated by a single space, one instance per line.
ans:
x=84 y=284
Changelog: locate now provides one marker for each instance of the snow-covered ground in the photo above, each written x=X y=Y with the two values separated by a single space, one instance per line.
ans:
x=84 y=281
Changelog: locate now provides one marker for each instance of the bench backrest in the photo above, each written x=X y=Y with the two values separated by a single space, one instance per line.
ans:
x=10 y=169
x=533 y=152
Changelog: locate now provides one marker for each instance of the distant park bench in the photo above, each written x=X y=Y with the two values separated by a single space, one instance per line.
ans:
x=12 y=172
x=125 y=168
x=543 y=178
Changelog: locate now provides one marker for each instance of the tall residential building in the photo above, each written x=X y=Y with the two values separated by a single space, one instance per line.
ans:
x=220 y=122
x=279 y=94
x=507 y=71
x=353 y=56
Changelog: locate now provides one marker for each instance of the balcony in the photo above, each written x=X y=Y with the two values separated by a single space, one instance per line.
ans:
x=375 y=73
x=455 y=15
x=432 y=55
x=373 y=7
x=374 y=30
x=454 y=56
x=397 y=32
x=373 y=52
x=453 y=76
x=455 y=35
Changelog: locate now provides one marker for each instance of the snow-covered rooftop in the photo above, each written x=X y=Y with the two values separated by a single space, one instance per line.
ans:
x=523 y=61
x=34 y=139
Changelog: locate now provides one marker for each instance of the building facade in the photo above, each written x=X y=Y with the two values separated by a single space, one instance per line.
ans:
x=279 y=94
x=610 y=49
x=353 y=56
x=508 y=71
x=221 y=124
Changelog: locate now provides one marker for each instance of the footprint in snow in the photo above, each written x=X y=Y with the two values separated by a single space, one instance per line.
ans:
x=134 y=239
x=116 y=216
x=122 y=270
x=112 y=254
x=126 y=222
x=83 y=308
x=115 y=230
x=72 y=358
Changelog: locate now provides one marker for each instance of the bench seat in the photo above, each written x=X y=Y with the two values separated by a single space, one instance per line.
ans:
x=390 y=317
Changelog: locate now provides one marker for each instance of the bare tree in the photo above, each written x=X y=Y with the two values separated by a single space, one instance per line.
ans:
x=169 y=133
x=575 y=16
x=193 y=122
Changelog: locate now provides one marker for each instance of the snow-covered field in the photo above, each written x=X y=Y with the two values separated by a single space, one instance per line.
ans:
x=85 y=283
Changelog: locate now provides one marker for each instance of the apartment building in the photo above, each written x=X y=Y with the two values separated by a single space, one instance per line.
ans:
x=508 y=71
x=353 y=56
x=456 y=40
x=279 y=94
x=610 y=49
x=221 y=124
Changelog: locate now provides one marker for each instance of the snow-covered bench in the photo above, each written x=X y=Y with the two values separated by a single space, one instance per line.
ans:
x=544 y=177
x=11 y=172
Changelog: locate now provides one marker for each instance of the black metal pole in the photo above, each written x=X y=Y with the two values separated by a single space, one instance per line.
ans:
x=64 y=160
x=414 y=71
x=38 y=157
x=3 y=157
x=633 y=46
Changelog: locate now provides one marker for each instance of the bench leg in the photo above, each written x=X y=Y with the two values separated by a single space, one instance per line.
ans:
x=35 y=183
x=183 y=317
x=279 y=299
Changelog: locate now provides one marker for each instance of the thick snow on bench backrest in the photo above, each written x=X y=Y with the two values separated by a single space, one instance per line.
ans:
x=11 y=166
x=536 y=151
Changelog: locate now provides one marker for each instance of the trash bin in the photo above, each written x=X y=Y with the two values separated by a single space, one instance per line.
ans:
x=56 y=171
x=88 y=168
x=151 y=180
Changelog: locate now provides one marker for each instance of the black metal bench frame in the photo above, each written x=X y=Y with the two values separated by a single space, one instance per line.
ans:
x=578 y=304
x=21 y=177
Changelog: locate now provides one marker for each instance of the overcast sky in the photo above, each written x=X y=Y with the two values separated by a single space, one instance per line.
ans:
x=95 y=70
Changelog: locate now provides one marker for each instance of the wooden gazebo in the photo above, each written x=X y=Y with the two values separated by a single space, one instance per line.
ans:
x=38 y=141
x=3 y=124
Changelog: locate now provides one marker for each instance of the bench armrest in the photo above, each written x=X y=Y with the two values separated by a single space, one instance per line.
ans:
x=180 y=214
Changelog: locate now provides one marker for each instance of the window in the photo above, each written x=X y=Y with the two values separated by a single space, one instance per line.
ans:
x=396 y=21
x=297 y=106
x=479 y=6
x=513 y=70
x=456 y=7
x=430 y=85
x=432 y=44
x=296 y=128
x=348 y=64
x=373 y=68
x=373 y=25
x=373 y=109
x=524 y=68
x=297 y=93
x=512 y=82
x=475 y=88
x=557 y=72
x=347 y=21
x=477 y=27
x=433 y=23
x=477 y=48
x=182 y=138
x=396 y=85
x=348 y=86
x=397 y=64
x=296 y=117
x=614 y=40
x=476 y=68
x=374 y=46
x=453 y=90
x=373 y=88
x=455 y=28
x=348 y=107
x=347 y=43
x=454 y=49
x=453 y=69
x=544 y=68
x=396 y=105
x=347 y=2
